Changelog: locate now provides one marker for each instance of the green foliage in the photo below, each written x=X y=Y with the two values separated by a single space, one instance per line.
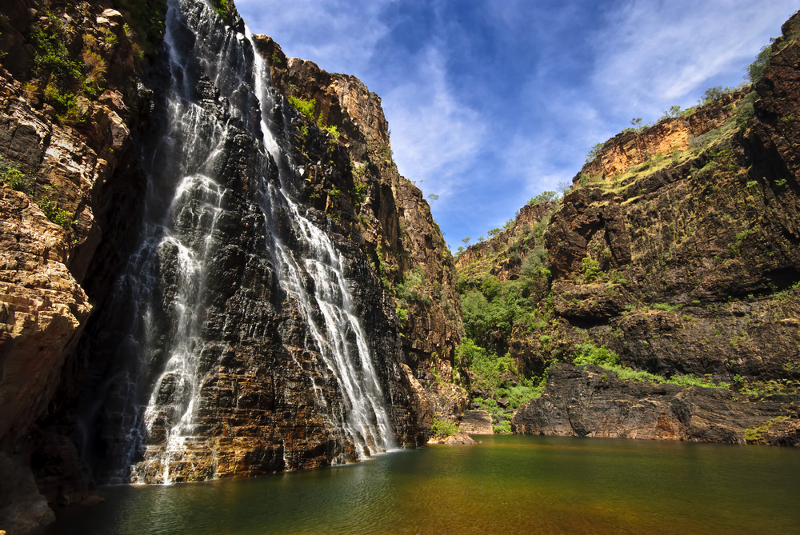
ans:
x=756 y=70
x=12 y=175
x=545 y=196
x=590 y=354
x=591 y=268
x=503 y=428
x=332 y=130
x=411 y=290
x=146 y=19
x=494 y=232
x=756 y=433
x=745 y=109
x=712 y=94
x=334 y=193
x=593 y=152
x=222 y=7
x=359 y=192
x=54 y=213
x=276 y=59
x=402 y=315
x=442 y=428
x=306 y=107
x=433 y=197
x=673 y=111
x=52 y=56
x=666 y=307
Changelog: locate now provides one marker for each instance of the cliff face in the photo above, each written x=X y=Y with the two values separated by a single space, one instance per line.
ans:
x=502 y=255
x=384 y=212
x=65 y=159
x=675 y=252
x=308 y=252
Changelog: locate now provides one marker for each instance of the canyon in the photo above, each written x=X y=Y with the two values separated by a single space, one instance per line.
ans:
x=212 y=268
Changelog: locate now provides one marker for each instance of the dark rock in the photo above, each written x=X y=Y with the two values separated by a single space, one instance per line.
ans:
x=594 y=402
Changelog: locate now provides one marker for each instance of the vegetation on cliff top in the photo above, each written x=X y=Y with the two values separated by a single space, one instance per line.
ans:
x=520 y=323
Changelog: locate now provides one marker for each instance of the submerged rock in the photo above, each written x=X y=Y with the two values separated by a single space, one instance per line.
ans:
x=477 y=422
x=460 y=438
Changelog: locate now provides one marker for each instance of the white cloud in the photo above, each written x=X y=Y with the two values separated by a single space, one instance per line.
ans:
x=434 y=136
x=340 y=36
x=651 y=55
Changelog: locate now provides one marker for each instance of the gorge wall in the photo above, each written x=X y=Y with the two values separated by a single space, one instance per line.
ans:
x=201 y=280
x=672 y=263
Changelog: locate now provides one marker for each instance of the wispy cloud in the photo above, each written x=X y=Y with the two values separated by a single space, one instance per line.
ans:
x=339 y=35
x=434 y=136
x=650 y=54
x=492 y=102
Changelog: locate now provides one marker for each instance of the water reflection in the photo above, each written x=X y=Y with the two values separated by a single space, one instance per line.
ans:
x=510 y=484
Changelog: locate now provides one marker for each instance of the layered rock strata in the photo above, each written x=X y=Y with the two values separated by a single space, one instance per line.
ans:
x=61 y=168
x=676 y=249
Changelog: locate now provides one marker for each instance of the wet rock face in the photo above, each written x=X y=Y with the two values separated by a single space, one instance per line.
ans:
x=594 y=402
x=266 y=399
x=248 y=279
x=389 y=218
x=69 y=190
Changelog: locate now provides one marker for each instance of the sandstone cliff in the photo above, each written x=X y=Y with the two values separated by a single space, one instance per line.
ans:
x=675 y=251
x=383 y=211
x=79 y=137
x=69 y=103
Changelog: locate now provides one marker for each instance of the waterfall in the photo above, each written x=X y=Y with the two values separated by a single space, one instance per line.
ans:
x=221 y=106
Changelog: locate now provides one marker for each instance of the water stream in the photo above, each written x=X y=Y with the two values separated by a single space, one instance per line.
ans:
x=218 y=89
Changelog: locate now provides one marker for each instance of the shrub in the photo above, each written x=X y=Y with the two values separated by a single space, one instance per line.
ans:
x=402 y=315
x=593 y=152
x=411 y=289
x=590 y=354
x=548 y=196
x=591 y=268
x=756 y=70
x=443 y=428
x=666 y=307
x=306 y=107
x=12 y=175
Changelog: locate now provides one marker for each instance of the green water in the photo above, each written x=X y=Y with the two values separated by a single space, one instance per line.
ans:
x=509 y=484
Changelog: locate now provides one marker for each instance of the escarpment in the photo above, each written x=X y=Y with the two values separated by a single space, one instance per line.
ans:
x=203 y=279
x=383 y=211
x=673 y=263
x=71 y=105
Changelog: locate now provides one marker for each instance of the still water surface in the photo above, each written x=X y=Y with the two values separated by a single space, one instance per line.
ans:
x=509 y=484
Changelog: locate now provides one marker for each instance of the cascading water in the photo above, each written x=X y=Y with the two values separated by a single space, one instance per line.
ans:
x=220 y=103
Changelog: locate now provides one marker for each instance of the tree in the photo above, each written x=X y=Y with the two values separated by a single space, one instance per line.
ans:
x=466 y=240
x=563 y=187
x=594 y=151
x=433 y=197
x=756 y=70
x=460 y=249
x=673 y=111
x=546 y=196
x=712 y=94
x=494 y=232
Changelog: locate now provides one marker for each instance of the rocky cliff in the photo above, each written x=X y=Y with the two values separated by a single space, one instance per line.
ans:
x=117 y=343
x=383 y=211
x=70 y=104
x=672 y=262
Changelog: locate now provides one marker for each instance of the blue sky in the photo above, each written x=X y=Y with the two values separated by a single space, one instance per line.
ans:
x=491 y=102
